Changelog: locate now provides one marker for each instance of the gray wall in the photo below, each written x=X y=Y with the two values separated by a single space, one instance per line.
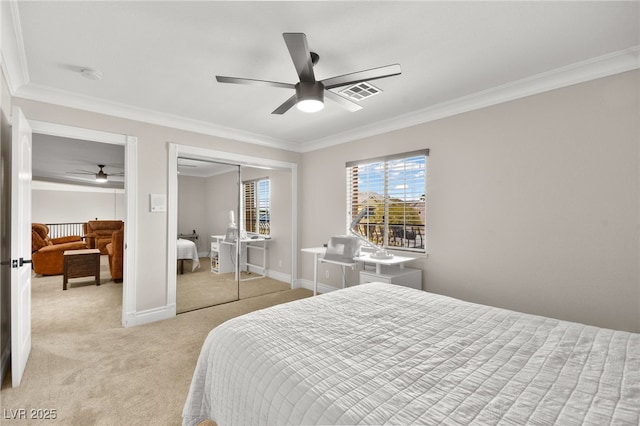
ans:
x=192 y=212
x=533 y=204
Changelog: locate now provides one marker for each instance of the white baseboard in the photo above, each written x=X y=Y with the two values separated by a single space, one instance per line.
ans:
x=280 y=276
x=308 y=284
x=169 y=311
x=150 y=315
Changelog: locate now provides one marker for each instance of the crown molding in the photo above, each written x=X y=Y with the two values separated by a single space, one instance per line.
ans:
x=50 y=95
x=13 y=56
x=580 y=72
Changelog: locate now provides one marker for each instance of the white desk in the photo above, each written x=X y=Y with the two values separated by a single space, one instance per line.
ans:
x=318 y=254
x=395 y=261
x=218 y=265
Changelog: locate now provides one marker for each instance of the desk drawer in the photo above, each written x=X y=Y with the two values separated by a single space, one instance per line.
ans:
x=406 y=277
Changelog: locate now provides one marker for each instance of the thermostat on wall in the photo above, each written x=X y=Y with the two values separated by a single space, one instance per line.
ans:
x=157 y=203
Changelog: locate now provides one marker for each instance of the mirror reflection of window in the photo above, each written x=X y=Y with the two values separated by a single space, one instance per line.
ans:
x=256 y=206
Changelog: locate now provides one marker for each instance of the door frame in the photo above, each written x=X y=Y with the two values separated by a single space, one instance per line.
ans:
x=21 y=161
x=130 y=144
x=176 y=150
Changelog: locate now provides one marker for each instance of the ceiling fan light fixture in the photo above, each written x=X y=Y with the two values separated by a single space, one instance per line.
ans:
x=101 y=176
x=310 y=96
x=310 y=105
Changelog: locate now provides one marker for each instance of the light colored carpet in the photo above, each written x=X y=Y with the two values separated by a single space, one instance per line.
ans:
x=202 y=288
x=89 y=369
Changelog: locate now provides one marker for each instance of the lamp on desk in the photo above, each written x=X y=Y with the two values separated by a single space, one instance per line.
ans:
x=378 y=253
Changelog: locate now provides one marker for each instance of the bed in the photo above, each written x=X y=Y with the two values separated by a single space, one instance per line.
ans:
x=187 y=250
x=384 y=354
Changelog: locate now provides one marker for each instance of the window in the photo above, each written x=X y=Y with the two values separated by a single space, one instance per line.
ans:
x=256 y=204
x=387 y=198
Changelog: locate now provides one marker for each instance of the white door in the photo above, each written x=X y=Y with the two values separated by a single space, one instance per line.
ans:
x=20 y=244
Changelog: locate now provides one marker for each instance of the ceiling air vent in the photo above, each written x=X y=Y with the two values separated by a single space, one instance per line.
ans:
x=360 y=91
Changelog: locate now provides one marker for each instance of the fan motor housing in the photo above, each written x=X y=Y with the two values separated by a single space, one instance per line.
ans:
x=314 y=91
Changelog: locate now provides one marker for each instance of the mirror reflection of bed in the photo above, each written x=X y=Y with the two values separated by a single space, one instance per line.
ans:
x=207 y=193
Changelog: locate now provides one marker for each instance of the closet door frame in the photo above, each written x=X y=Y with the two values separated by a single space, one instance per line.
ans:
x=178 y=150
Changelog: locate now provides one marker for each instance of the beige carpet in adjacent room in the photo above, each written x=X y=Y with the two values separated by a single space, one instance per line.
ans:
x=91 y=371
x=202 y=288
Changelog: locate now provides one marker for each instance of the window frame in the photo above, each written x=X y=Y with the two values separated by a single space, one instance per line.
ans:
x=407 y=236
x=257 y=227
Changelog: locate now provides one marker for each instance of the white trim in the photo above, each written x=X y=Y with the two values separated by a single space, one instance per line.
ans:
x=294 y=224
x=308 y=284
x=129 y=271
x=172 y=223
x=14 y=58
x=177 y=150
x=279 y=276
x=65 y=131
x=47 y=94
x=150 y=315
x=602 y=66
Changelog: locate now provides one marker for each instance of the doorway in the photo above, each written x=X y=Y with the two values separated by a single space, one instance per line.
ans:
x=129 y=143
x=246 y=210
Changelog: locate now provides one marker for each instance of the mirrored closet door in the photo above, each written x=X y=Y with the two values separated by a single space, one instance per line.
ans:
x=208 y=270
x=239 y=219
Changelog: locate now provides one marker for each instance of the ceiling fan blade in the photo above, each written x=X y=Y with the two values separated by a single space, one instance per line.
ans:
x=357 y=77
x=286 y=106
x=343 y=102
x=236 y=80
x=301 y=56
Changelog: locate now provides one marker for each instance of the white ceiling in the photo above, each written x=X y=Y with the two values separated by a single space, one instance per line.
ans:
x=159 y=59
x=74 y=161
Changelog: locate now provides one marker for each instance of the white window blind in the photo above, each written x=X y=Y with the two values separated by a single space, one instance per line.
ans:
x=393 y=190
x=256 y=204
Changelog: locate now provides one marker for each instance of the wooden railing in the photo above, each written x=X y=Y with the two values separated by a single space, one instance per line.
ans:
x=57 y=230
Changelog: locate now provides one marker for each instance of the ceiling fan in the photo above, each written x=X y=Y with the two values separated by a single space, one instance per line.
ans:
x=310 y=93
x=101 y=176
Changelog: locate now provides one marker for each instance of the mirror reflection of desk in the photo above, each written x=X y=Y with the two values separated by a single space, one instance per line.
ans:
x=223 y=255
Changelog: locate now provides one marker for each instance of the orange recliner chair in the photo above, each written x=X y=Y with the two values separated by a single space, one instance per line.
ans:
x=46 y=253
x=115 y=250
x=98 y=233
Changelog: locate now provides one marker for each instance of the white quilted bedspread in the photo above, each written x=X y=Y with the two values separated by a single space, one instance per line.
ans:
x=383 y=354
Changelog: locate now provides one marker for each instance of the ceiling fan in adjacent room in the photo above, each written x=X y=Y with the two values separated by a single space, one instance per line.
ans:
x=100 y=175
x=310 y=93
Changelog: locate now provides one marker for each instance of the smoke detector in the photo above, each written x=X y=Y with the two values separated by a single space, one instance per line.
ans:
x=91 y=74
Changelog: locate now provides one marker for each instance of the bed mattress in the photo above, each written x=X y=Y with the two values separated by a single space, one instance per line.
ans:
x=187 y=250
x=384 y=354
